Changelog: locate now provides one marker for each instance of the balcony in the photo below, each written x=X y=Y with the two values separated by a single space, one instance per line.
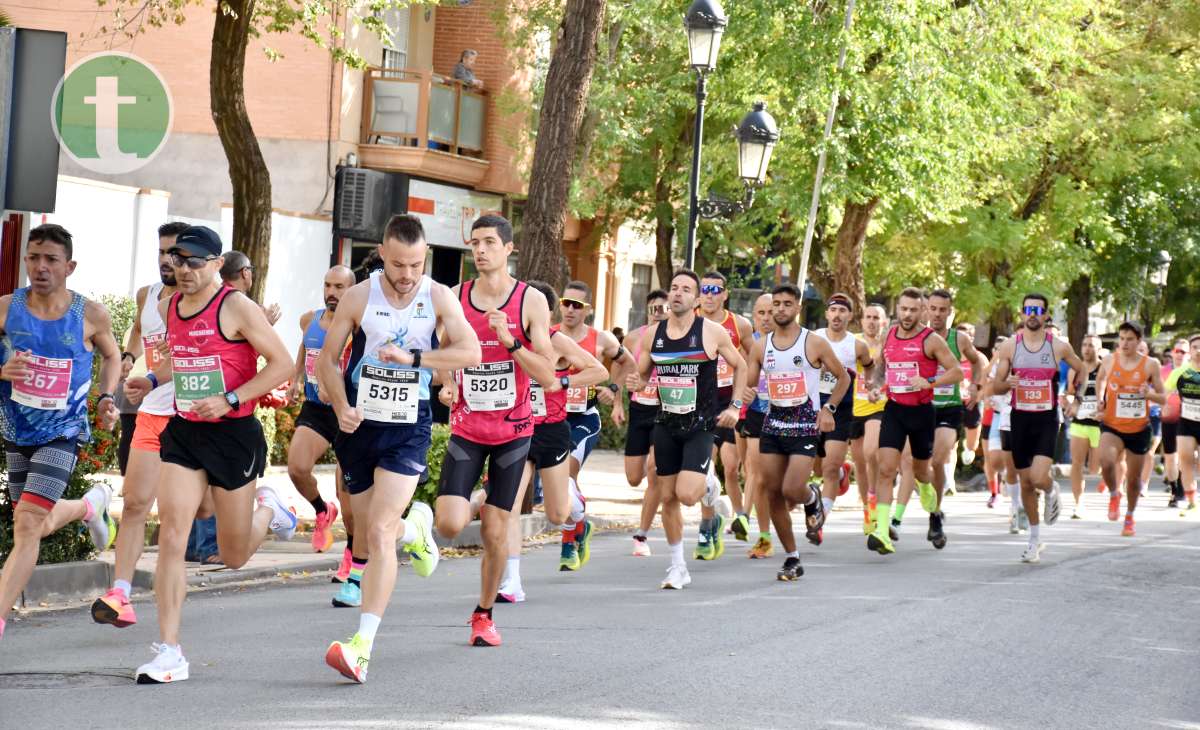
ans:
x=417 y=122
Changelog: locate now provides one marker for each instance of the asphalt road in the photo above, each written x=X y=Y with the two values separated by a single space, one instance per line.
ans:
x=1102 y=634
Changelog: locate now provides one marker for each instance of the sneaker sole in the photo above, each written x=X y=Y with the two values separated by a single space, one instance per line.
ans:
x=874 y=544
x=102 y=613
x=336 y=659
x=480 y=641
x=343 y=604
x=168 y=678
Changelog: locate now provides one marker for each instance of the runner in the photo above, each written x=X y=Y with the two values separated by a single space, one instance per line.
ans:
x=854 y=354
x=972 y=415
x=711 y=543
x=316 y=430
x=911 y=355
x=1184 y=384
x=1127 y=380
x=793 y=361
x=1155 y=422
x=950 y=402
x=1085 y=428
x=491 y=417
x=639 y=432
x=1170 y=426
x=1002 y=472
x=216 y=336
x=156 y=405
x=49 y=339
x=384 y=416
x=751 y=431
x=868 y=414
x=577 y=370
x=583 y=416
x=1027 y=365
x=682 y=353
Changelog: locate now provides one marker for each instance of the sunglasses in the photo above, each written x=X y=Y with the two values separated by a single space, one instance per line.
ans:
x=573 y=303
x=1033 y=310
x=192 y=262
x=1177 y=351
x=711 y=289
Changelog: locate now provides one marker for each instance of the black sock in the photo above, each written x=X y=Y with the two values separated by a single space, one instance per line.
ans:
x=318 y=504
x=350 y=543
x=481 y=609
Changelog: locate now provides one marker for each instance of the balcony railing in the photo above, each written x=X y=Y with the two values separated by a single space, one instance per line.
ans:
x=418 y=108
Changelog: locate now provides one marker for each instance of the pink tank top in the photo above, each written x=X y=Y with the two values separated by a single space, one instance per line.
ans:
x=906 y=359
x=493 y=404
x=204 y=363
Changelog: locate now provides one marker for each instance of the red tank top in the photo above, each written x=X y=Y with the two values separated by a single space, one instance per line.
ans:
x=905 y=359
x=493 y=398
x=204 y=363
x=579 y=400
x=553 y=406
x=724 y=369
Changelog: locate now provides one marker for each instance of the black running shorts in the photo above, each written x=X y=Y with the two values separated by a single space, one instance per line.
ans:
x=232 y=452
x=948 y=417
x=805 y=446
x=913 y=425
x=1169 y=433
x=858 y=427
x=320 y=418
x=1137 y=444
x=464 y=465
x=1033 y=435
x=1188 y=428
x=972 y=417
x=751 y=426
x=676 y=451
x=639 y=432
x=550 y=445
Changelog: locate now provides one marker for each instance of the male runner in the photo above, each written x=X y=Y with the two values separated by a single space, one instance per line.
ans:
x=711 y=543
x=911 y=355
x=1127 y=380
x=216 y=336
x=796 y=418
x=583 y=416
x=999 y=464
x=853 y=353
x=1184 y=383
x=1027 y=365
x=156 y=405
x=49 y=337
x=492 y=417
x=751 y=430
x=1085 y=428
x=316 y=430
x=639 y=432
x=682 y=352
x=1170 y=426
x=868 y=414
x=383 y=412
x=950 y=402
x=972 y=415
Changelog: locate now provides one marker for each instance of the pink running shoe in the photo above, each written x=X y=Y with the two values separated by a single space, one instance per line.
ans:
x=322 y=537
x=114 y=608
x=343 y=571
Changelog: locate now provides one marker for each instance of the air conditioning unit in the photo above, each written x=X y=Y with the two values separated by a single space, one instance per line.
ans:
x=362 y=203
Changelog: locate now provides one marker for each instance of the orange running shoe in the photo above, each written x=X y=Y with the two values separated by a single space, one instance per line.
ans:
x=483 y=631
x=114 y=608
x=322 y=537
x=1127 y=530
x=844 y=484
x=762 y=549
x=1114 y=507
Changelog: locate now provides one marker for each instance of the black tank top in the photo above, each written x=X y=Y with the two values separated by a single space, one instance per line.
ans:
x=687 y=377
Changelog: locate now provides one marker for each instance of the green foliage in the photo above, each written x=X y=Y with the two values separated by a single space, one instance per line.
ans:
x=121 y=310
x=612 y=436
x=427 y=492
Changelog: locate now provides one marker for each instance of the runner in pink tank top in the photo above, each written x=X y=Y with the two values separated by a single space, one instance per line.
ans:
x=204 y=361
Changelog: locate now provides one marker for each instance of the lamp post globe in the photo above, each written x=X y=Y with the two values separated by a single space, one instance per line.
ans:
x=756 y=135
x=705 y=22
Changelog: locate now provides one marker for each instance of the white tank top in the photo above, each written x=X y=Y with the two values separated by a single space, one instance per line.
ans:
x=792 y=388
x=161 y=400
x=1001 y=407
x=846 y=355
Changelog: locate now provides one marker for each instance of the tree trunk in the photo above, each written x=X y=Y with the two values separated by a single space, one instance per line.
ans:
x=248 y=172
x=664 y=233
x=1079 y=300
x=563 y=103
x=848 y=256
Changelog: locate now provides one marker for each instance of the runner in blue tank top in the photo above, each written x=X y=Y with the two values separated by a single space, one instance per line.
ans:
x=48 y=340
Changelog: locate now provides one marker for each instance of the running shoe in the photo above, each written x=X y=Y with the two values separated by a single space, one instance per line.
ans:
x=894 y=531
x=102 y=527
x=718 y=536
x=992 y=501
x=1014 y=524
x=508 y=594
x=350 y=658
x=114 y=608
x=483 y=630
x=1101 y=487
x=740 y=526
x=641 y=548
x=791 y=570
x=844 y=482
x=1033 y=552
x=1077 y=512
x=568 y=559
x=814 y=520
x=968 y=457
x=936 y=534
x=1114 y=507
x=868 y=525
x=423 y=550
x=705 y=550
x=677 y=578
x=1127 y=530
x=762 y=549
x=881 y=545
x=168 y=665
x=1188 y=510
x=343 y=572
x=322 y=537
x=1173 y=502
x=349 y=595
x=583 y=542
x=1053 y=504
x=1022 y=519
x=928 y=497
x=712 y=489
x=283 y=524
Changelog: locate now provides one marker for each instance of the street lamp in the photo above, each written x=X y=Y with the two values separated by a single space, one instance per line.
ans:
x=705 y=23
x=1162 y=266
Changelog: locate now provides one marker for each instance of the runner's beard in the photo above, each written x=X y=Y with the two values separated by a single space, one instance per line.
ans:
x=331 y=304
x=168 y=279
x=1033 y=324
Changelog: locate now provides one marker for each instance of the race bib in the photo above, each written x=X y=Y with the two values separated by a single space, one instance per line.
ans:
x=786 y=389
x=647 y=396
x=577 y=399
x=677 y=394
x=1087 y=408
x=1034 y=395
x=899 y=374
x=47 y=385
x=491 y=386
x=310 y=363
x=724 y=373
x=827 y=383
x=196 y=378
x=389 y=395
x=150 y=345
x=1190 y=409
x=1131 y=405
x=943 y=391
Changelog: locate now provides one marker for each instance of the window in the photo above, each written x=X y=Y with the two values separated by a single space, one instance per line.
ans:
x=395 y=45
x=639 y=289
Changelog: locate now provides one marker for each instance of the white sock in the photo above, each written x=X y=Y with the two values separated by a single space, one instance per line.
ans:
x=828 y=503
x=1035 y=533
x=949 y=472
x=368 y=624
x=677 y=553
x=512 y=572
x=792 y=554
x=577 y=508
x=123 y=586
x=410 y=532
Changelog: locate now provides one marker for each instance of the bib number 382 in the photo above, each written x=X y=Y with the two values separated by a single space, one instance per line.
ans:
x=196 y=378
x=389 y=395
x=491 y=386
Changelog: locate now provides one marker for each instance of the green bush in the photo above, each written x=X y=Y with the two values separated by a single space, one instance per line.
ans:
x=612 y=436
x=427 y=492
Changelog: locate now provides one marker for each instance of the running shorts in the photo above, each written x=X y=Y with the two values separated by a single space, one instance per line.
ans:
x=147 y=432
x=639 y=431
x=233 y=453
x=1169 y=432
x=676 y=451
x=550 y=445
x=913 y=425
x=858 y=427
x=751 y=427
x=1091 y=433
x=400 y=449
x=806 y=446
x=1033 y=435
x=1188 y=428
x=464 y=465
x=948 y=417
x=320 y=419
x=585 y=433
x=38 y=475
x=1137 y=444
x=972 y=417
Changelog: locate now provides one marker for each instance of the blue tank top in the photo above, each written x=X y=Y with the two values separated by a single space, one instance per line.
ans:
x=314 y=340
x=52 y=401
x=761 y=403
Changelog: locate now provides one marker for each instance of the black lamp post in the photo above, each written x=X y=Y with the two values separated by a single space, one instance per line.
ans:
x=757 y=134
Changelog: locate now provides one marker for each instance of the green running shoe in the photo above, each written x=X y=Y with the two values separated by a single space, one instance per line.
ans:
x=569 y=558
x=584 y=544
x=717 y=538
x=705 y=550
x=423 y=549
x=928 y=497
x=882 y=545
x=741 y=528
x=350 y=658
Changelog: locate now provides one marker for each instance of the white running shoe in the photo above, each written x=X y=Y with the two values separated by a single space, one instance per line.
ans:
x=1033 y=553
x=102 y=527
x=1053 y=504
x=677 y=577
x=283 y=524
x=1077 y=513
x=168 y=666
x=712 y=488
x=641 y=549
x=968 y=457
x=1013 y=527
x=1022 y=520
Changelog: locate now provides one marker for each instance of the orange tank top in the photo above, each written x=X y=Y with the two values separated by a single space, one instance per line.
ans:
x=1124 y=404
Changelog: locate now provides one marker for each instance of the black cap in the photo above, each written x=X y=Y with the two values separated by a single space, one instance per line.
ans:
x=198 y=241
